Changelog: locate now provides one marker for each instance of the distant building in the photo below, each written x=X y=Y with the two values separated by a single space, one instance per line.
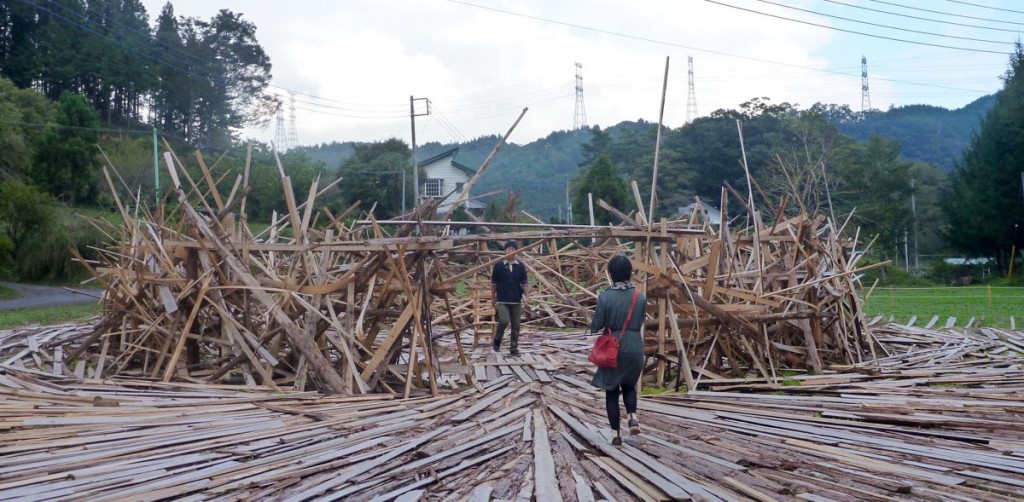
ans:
x=443 y=177
x=969 y=261
x=711 y=215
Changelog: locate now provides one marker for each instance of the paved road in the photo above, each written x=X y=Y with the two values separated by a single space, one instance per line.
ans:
x=44 y=296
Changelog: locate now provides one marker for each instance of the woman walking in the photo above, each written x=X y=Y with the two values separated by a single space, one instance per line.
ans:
x=621 y=301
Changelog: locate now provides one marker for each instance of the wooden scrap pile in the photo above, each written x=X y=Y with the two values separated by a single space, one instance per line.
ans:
x=194 y=294
x=533 y=427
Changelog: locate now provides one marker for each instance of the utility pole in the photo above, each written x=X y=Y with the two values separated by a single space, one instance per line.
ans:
x=568 y=203
x=913 y=213
x=906 y=251
x=156 y=173
x=415 y=163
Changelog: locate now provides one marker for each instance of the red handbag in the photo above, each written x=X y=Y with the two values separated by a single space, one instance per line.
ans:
x=605 y=353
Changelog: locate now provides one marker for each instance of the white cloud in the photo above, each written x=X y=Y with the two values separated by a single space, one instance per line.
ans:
x=480 y=67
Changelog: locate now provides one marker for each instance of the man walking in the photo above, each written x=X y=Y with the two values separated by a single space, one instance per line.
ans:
x=508 y=287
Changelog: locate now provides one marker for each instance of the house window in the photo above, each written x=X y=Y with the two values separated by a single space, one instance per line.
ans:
x=458 y=187
x=433 y=187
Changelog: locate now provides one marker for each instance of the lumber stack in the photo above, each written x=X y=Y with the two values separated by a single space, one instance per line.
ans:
x=532 y=428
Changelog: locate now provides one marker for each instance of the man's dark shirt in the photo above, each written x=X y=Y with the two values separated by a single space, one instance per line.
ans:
x=509 y=280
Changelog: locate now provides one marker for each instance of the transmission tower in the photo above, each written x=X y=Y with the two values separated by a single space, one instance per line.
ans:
x=865 y=96
x=691 y=101
x=280 y=135
x=579 y=120
x=293 y=133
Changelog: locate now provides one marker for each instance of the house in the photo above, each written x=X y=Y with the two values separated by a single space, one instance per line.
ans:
x=711 y=215
x=443 y=177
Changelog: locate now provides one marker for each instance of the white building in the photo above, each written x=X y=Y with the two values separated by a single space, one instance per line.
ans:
x=446 y=177
x=711 y=214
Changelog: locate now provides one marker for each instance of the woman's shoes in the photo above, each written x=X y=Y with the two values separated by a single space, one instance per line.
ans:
x=616 y=441
x=634 y=426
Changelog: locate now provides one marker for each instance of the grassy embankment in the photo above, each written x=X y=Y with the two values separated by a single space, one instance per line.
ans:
x=47 y=315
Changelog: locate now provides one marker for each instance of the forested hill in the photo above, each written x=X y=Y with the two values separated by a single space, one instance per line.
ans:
x=540 y=169
x=929 y=134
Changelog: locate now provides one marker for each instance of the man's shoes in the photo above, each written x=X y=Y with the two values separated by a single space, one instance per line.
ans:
x=496 y=346
x=514 y=352
x=634 y=426
x=616 y=441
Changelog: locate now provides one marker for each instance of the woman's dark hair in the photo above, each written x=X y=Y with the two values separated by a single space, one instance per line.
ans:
x=620 y=268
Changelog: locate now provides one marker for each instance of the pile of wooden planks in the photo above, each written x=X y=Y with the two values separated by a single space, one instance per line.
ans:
x=531 y=428
x=323 y=301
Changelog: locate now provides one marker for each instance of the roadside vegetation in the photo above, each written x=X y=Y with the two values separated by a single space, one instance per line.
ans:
x=11 y=319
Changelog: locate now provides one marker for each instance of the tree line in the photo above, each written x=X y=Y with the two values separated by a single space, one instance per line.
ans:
x=75 y=73
x=196 y=79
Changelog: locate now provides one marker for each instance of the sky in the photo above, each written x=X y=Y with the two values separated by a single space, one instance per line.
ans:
x=353 y=64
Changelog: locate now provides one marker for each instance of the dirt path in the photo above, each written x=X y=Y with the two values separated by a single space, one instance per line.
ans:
x=44 y=296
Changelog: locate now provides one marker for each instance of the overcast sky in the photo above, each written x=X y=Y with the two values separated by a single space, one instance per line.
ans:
x=354 y=63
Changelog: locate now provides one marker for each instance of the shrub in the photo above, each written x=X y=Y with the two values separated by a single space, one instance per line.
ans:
x=36 y=236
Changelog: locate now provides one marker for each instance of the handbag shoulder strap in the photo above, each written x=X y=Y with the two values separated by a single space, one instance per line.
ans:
x=629 y=314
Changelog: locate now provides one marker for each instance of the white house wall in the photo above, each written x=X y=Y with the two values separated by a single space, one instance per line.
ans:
x=450 y=174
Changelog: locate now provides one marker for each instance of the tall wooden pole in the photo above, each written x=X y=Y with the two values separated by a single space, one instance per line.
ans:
x=657 y=150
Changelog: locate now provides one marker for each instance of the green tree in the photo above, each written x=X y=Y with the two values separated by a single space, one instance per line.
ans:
x=171 y=98
x=984 y=203
x=37 y=235
x=19 y=52
x=228 y=76
x=18 y=140
x=601 y=180
x=66 y=161
x=373 y=175
x=875 y=185
x=804 y=167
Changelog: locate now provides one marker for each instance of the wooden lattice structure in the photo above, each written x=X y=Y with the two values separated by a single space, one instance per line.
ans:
x=357 y=307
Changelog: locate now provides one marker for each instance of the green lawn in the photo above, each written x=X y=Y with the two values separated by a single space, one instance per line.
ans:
x=47 y=315
x=996 y=304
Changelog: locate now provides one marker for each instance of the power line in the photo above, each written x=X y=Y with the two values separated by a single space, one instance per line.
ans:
x=986 y=6
x=698 y=49
x=894 y=4
x=908 y=30
x=882 y=37
x=43 y=125
x=908 y=16
x=446 y=123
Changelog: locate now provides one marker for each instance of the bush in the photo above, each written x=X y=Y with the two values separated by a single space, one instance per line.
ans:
x=956 y=275
x=36 y=235
x=889 y=275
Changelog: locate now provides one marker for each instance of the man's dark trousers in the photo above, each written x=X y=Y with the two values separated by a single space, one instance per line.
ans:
x=508 y=313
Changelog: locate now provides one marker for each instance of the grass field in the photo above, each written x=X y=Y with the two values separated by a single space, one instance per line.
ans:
x=996 y=304
x=47 y=315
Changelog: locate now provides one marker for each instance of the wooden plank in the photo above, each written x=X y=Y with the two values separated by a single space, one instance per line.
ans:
x=482 y=405
x=543 y=463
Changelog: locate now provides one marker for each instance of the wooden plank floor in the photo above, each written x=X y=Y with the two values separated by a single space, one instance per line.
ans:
x=936 y=419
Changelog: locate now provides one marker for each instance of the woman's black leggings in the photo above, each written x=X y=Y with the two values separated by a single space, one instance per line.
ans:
x=611 y=402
